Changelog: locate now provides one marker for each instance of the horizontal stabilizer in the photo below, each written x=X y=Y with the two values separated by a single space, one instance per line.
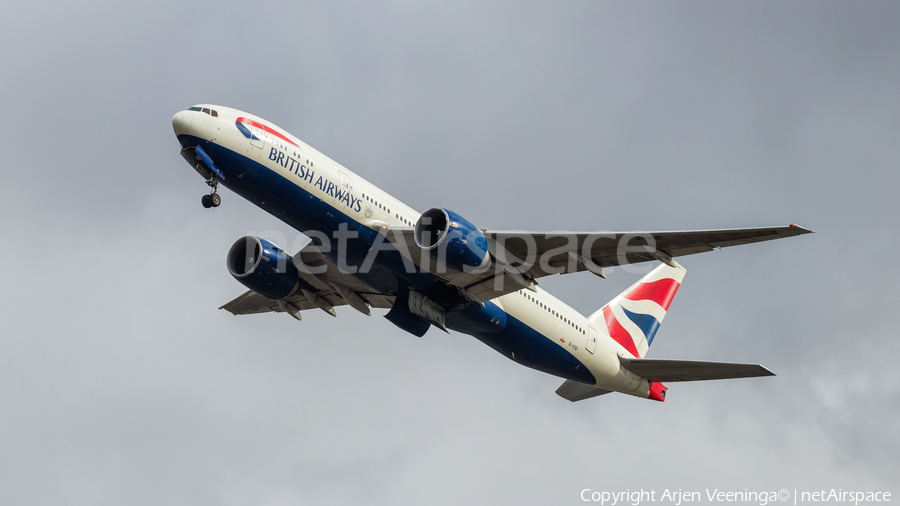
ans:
x=684 y=370
x=575 y=391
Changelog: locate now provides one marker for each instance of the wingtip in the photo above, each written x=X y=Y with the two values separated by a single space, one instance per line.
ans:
x=766 y=370
x=800 y=230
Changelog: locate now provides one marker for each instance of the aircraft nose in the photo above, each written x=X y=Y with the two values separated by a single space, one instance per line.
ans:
x=181 y=122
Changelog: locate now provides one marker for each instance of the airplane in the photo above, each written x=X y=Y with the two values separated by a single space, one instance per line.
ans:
x=368 y=249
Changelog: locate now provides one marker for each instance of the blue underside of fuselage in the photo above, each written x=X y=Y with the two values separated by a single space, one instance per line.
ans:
x=305 y=212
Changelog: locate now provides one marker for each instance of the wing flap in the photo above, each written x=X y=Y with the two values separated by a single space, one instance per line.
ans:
x=685 y=370
x=251 y=302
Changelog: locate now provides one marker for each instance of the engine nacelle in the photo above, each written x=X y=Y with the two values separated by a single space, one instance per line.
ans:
x=452 y=240
x=262 y=267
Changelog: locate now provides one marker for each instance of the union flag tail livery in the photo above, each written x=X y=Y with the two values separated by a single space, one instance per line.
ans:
x=437 y=269
x=633 y=317
x=631 y=321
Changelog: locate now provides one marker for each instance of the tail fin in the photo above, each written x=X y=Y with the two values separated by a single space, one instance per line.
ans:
x=633 y=317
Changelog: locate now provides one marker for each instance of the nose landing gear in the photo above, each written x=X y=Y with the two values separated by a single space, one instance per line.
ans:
x=213 y=199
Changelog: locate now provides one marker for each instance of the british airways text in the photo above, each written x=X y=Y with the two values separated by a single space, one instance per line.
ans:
x=308 y=174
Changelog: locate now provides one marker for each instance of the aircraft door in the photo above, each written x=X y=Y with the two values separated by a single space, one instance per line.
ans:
x=258 y=137
x=345 y=184
x=591 y=345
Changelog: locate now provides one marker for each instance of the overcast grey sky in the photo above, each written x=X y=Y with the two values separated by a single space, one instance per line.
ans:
x=121 y=383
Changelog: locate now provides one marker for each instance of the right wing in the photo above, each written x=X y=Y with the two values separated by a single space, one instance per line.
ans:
x=607 y=249
x=520 y=257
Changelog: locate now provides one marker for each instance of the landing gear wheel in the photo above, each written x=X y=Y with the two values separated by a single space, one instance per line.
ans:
x=213 y=199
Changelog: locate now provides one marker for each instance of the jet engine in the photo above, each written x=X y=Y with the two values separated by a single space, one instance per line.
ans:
x=452 y=240
x=263 y=267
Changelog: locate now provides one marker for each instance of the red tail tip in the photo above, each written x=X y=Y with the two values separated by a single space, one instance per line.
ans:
x=657 y=391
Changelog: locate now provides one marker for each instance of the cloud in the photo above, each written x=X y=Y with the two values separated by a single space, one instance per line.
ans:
x=122 y=383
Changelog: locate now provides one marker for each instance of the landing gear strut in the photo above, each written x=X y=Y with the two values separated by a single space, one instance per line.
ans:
x=213 y=199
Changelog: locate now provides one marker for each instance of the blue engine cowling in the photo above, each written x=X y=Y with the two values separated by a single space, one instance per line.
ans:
x=262 y=267
x=452 y=240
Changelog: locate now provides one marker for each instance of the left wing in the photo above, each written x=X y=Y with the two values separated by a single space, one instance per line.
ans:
x=321 y=286
x=251 y=302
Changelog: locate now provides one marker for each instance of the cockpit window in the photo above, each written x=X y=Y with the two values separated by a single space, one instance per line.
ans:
x=211 y=112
